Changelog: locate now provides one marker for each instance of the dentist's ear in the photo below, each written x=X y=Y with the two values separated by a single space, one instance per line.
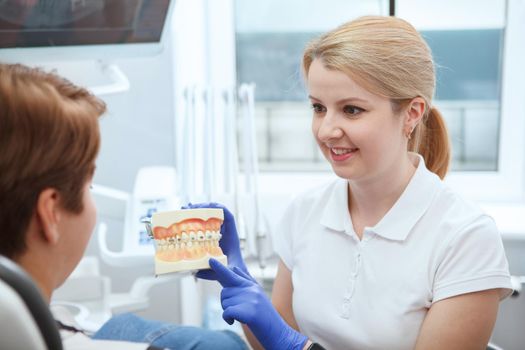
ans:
x=48 y=214
x=414 y=113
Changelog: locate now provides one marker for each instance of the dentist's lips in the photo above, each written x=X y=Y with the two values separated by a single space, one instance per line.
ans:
x=342 y=154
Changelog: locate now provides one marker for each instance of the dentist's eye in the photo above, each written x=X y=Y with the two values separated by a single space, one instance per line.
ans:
x=318 y=108
x=352 y=110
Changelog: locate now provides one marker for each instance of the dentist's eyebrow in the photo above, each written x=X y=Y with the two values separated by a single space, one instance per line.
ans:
x=345 y=100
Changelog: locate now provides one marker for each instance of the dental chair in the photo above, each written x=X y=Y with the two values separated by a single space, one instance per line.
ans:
x=26 y=320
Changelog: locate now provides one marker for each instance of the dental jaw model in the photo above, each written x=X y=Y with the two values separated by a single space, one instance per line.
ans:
x=186 y=239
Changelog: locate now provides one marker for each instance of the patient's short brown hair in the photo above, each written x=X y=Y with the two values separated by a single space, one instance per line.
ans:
x=49 y=138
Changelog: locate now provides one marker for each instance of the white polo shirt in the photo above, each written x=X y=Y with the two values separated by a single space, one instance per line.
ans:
x=374 y=293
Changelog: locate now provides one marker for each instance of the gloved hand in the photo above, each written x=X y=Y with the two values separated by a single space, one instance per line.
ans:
x=229 y=242
x=244 y=300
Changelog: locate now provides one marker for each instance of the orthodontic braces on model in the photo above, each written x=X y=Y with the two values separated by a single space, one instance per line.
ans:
x=186 y=239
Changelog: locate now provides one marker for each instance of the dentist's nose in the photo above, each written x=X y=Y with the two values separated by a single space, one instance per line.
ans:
x=328 y=128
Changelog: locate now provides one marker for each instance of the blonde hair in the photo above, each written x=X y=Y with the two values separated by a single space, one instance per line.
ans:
x=390 y=58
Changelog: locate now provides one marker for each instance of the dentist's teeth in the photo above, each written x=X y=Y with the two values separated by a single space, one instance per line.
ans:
x=340 y=151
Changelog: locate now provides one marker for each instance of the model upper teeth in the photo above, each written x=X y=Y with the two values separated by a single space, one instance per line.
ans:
x=342 y=150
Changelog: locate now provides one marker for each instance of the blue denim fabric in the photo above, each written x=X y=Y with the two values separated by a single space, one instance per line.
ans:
x=132 y=328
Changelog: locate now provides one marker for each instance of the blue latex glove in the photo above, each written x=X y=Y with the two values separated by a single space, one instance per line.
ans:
x=229 y=242
x=245 y=301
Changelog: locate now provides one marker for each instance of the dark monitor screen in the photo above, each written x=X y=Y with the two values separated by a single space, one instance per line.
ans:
x=48 y=23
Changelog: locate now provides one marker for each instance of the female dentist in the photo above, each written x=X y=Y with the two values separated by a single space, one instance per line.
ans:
x=387 y=256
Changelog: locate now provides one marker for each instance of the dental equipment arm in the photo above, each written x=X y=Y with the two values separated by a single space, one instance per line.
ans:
x=247 y=94
x=232 y=162
x=208 y=145
x=187 y=146
x=119 y=80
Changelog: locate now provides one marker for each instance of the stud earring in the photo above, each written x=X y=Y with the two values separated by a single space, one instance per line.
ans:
x=408 y=133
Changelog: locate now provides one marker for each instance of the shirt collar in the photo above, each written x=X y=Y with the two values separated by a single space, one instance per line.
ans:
x=401 y=218
x=335 y=215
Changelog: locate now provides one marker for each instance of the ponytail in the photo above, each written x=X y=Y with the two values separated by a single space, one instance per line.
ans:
x=430 y=140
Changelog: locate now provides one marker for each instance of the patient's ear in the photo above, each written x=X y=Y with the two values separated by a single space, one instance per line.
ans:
x=48 y=212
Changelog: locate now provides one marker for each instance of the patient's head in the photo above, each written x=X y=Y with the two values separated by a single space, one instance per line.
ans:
x=49 y=140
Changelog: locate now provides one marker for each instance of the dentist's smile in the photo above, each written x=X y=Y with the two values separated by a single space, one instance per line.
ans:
x=341 y=154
